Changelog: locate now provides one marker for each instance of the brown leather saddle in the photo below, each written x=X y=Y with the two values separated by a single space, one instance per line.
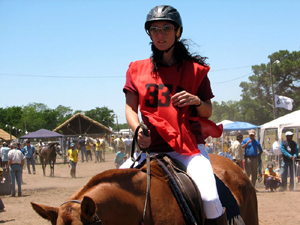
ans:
x=183 y=187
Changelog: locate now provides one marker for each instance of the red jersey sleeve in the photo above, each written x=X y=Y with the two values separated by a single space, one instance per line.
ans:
x=129 y=85
x=204 y=91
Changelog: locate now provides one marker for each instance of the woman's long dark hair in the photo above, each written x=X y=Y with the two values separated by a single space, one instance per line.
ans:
x=181 y=52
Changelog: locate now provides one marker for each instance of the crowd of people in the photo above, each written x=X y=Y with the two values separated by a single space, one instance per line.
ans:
x=249 y=151
x=246 y=153
x=13 y=157
x=83 y=148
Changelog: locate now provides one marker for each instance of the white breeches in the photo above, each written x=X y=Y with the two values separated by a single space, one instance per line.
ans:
x=200 y=169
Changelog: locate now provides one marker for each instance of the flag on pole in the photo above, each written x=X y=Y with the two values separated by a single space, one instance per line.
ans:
x=283 y=102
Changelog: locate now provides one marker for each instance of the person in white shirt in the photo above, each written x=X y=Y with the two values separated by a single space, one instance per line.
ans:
x=15 y=164
x=127 y=144
x=277 y=152
x=236 y=150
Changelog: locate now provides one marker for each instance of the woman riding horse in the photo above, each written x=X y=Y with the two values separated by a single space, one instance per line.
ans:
x=118 y=197
x=173 y=92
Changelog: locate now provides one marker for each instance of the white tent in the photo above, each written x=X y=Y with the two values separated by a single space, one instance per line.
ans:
x=290 y=120
x=224 y=122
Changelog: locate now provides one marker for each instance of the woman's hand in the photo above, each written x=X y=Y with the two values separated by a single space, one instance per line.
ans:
x=184 y=98
x=143 y=140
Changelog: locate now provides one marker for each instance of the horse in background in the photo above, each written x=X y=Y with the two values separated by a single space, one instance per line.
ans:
x=124 y=191
x=48 y=155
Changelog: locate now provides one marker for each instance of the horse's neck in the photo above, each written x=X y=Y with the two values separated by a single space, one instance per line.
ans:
x=114 y=177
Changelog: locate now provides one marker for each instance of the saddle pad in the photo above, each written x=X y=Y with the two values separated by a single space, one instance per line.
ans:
x=227 y=199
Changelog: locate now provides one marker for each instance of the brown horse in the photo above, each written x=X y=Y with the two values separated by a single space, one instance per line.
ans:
x=118 y=197
x=48 y=155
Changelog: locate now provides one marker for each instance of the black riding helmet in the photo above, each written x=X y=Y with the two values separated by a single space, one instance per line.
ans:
x=165 y=13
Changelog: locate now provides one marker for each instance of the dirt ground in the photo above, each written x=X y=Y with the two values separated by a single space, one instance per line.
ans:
x=279 y=208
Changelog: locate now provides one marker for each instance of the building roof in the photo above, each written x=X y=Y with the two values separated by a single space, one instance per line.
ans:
x=80 y=124
x=6 y=136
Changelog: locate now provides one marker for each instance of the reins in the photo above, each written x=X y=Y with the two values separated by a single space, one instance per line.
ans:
x=96 y=217
x=147 y=151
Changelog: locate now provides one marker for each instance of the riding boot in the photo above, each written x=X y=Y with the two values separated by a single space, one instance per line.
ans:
x=74 y=173
x=71 y=172
x=222 y=220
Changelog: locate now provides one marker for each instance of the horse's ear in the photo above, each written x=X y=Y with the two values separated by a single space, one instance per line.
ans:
x=88 y=207
x=47 y=212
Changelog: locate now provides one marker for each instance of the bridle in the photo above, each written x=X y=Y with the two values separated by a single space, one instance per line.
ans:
x=147 y=150
x=96 y=217
x=145 y=130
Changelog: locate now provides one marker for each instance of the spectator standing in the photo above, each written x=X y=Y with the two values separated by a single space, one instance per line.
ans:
x=225 y=147
x=252 y=150
x=236 y=150
x=1 y=178
x=98 y=151
x=118 y=143
x=127 y=144
x=73 y=159
x=277 y=152
x=82 y=147
x=4 y=153
x=89 y=146
x=119 y=159
x=290 y=150
x=29 y=152
x=15 y=163
x=228 y=142
x=40 y=145
x=209 y=149
x=22 y=150
x=68 y=143
x=103 y=147
x=271 y=178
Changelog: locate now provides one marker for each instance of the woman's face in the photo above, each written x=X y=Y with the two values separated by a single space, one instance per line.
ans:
x=165 y=36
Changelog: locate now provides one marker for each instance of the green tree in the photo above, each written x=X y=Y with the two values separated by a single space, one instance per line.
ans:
x=102 y=115
x=12 y=116
x=33 y=116
x=64 y=113
x=50 y=117
x=285 y=78
x=230 y=110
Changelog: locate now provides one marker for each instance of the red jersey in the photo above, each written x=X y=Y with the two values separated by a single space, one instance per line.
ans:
x=170 y=126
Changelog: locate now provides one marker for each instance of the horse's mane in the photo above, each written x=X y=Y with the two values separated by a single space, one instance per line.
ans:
x=156 y=171
x=52 y=144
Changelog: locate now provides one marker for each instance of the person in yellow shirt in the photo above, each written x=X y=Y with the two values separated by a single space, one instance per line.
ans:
x=271 y=178
x=73 y=159
x=98 y=151
x=89 y=147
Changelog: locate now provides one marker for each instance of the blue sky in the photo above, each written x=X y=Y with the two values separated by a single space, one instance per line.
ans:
x=76 y=53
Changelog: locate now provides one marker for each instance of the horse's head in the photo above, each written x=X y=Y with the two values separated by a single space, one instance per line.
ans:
x=70 y=212
x=58 y=149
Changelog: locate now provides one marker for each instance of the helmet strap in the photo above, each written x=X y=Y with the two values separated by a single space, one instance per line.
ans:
x=178 y=34
x=166 y=51
x=177 y=37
